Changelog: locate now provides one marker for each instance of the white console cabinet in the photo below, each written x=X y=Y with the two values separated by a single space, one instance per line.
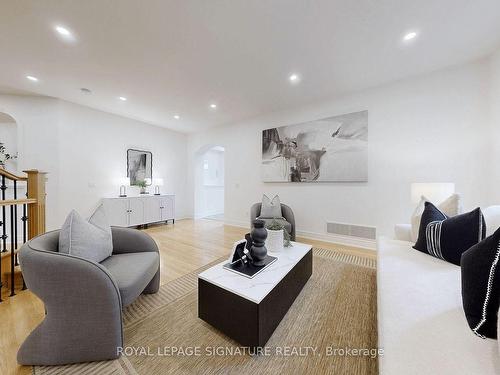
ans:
x=139 y=210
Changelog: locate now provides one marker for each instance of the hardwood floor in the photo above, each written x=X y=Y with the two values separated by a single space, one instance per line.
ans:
x=184 y=247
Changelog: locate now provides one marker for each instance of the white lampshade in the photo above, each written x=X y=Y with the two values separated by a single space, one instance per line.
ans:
x=124 y=181
x=436 y=192
x=158 y=181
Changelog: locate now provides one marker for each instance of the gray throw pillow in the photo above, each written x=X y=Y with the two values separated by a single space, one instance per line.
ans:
x=271 y=209
x=86 y=239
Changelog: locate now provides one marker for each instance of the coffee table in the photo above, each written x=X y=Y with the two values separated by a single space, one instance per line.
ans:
x=249 y=310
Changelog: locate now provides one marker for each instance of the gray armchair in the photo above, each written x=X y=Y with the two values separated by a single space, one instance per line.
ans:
x=84 y=299
x=287 y=213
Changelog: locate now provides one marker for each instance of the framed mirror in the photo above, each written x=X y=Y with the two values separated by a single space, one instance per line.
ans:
x=139 y=166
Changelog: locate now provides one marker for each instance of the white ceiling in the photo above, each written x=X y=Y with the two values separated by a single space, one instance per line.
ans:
x=177 y=57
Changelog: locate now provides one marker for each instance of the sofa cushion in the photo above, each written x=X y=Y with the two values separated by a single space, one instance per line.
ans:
x=452 y=206
x=447 y=238
x=421 y=323
x=286 y=224
x=90 y=239
x=481 y=286
x=270 y=208
x=132 y=272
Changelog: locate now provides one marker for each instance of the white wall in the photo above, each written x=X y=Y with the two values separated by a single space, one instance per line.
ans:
x=494 y=159
x=213 y=175
x=424 y=129
x=209 y=183
x=37 y=119
x=8 y=136
x=93 y=147
x=84 y=152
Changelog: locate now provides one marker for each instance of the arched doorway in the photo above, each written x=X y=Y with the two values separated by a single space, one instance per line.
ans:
x=8 y=142
x=209 y=183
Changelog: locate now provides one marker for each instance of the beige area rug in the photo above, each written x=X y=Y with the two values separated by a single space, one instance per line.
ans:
x=330 y=329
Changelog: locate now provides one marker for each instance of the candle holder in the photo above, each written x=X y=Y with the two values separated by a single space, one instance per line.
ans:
x=124 y=181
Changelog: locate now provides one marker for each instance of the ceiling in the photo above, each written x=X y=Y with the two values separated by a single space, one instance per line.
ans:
x=177 y=57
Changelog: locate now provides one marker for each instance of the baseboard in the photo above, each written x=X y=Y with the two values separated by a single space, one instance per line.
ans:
x=184 y=217
x=341 y=240
x=237 y=223
x=325 y=237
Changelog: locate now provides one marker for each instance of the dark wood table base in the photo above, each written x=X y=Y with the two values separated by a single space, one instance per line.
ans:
x=249 y=323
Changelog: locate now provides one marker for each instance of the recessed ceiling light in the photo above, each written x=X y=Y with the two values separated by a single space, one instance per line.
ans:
x=213 y=106
x=31 y=78
x=63 y=31
x=409 y=36
x=294 y=78
x=177 y=117
x=85 y=91
x=122 y=98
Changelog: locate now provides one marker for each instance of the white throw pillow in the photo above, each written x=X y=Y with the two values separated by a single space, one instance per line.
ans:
x=271 y=209
x=86 y=239
x=452 y=206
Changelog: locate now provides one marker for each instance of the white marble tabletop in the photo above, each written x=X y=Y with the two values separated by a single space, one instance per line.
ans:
x=257 y=288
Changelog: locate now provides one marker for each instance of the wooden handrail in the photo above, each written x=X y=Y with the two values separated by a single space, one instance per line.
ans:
x=12 y=176
x=9 y=202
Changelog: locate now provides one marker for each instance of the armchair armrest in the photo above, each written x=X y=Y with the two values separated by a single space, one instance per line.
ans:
x=254 y=212
x=287 y=213
x=128 y=240
x=83 y=309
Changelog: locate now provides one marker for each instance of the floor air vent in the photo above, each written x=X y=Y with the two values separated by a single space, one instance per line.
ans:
x=358 y=231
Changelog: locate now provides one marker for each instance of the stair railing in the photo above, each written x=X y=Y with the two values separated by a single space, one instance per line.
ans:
x=32 y=218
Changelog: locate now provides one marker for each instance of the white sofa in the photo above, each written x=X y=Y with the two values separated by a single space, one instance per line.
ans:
x=421 y=323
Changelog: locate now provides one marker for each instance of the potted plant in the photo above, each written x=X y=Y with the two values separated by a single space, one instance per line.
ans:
x=4 y=156
x=277 y=236
x=142 y=184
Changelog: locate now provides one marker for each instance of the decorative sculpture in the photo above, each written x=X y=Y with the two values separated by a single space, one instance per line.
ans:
x=258 y=252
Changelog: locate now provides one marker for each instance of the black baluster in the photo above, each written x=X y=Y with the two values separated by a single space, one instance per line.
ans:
x=15 y=221
x=12 y=249
x=1 y=284
x=24 y=220
x=4 y=229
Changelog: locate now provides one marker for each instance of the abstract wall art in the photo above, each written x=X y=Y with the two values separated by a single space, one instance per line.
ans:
x=334 y=149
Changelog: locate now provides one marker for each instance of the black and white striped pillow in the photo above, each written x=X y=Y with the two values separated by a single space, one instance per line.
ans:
x=481 y=286
x=448 y=237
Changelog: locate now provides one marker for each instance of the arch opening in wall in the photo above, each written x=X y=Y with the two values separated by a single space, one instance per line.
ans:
x=209 y=183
